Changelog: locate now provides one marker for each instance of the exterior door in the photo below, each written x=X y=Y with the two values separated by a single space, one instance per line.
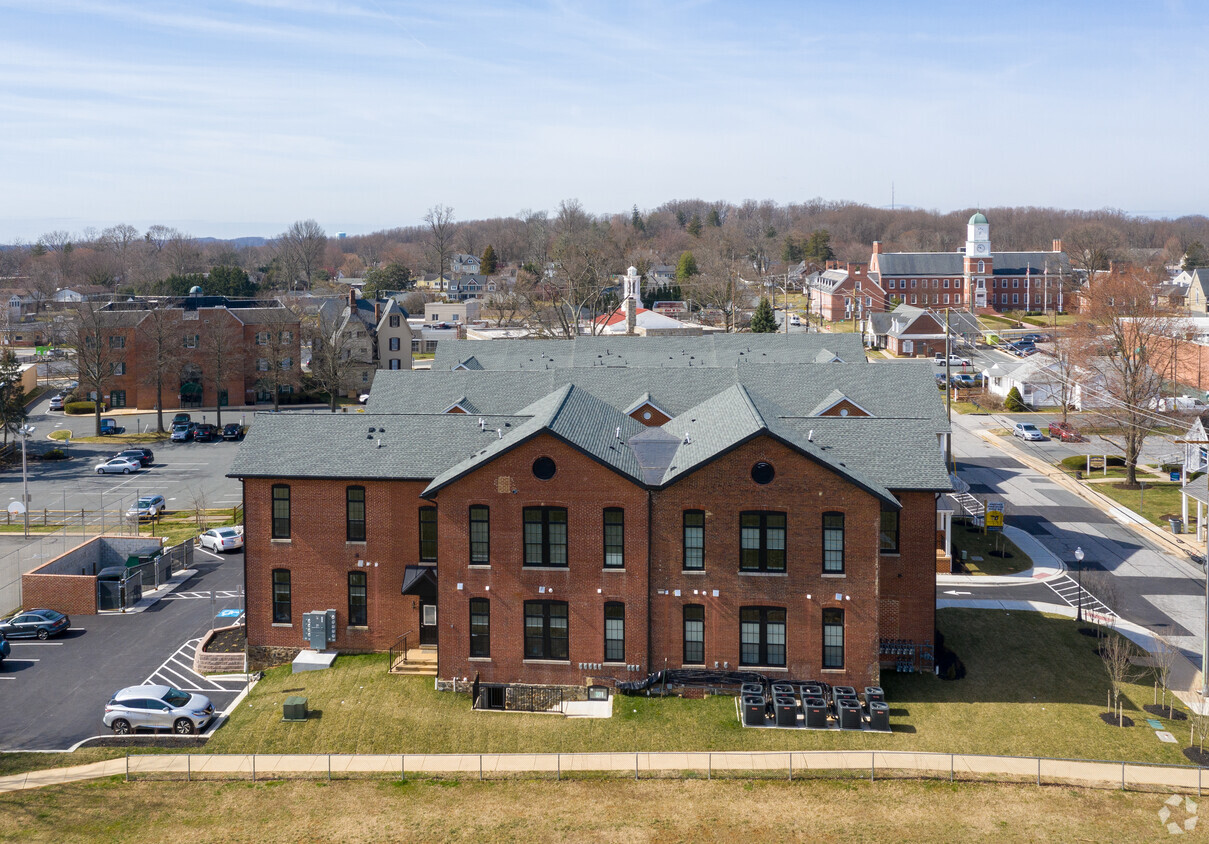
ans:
x=428 y=623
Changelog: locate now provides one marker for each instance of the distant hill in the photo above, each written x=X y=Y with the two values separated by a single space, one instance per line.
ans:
x=235 y=241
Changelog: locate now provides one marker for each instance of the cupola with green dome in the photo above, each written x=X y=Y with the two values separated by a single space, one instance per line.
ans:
x=978 y=219
x=978 y=237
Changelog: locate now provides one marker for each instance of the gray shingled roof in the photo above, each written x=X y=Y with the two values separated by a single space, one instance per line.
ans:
x=900 y=390
x=953 y=263
x=722 y=350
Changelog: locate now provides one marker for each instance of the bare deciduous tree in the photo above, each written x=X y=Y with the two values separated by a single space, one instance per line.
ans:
x=441 y=232
x=1162 y=660
x=331 y=359
x=301 y=247
x=160 y=334
x=96 y=356
x=223 y=347
x=1118 y=654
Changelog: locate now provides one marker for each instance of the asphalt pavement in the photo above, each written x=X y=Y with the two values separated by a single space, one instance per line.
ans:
x=53 y=693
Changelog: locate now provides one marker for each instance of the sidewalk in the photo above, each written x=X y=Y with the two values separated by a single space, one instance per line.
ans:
x=150 y=597
x=1046 y=565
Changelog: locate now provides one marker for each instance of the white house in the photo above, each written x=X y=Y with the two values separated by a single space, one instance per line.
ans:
x=462 y=264
x=1039 y=378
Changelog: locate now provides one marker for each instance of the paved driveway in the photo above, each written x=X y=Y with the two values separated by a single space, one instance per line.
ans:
x=53 y=694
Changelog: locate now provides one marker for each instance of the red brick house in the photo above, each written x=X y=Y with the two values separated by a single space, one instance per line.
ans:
x=570 y=539
x=843 y=288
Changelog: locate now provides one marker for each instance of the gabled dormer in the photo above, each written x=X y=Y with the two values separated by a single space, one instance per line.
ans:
x=838 y=404
x=647 y=412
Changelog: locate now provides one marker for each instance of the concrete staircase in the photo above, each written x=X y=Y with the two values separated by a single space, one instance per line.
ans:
x=416 y=662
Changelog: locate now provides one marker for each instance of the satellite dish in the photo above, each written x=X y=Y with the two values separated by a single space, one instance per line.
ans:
x=16 y=508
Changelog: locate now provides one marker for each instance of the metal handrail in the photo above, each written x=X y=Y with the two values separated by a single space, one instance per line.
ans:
x=390 y=662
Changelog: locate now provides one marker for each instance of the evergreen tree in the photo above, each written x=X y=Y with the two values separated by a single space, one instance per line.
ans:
x=791 y=252
x=681 y=217
x=392 y=277
x=694 y=226
x=489 y=264
x=12 y=397
x=1014 y=402
x=764 y=321
x=686 y=268
x=713 y=218
x=636 y=221
x=818 y=246
x=1195 y=256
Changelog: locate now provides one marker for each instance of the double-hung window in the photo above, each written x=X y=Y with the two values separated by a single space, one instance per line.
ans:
x=281 y=511
x=480 y=627
x=480 y=535
x=281 y=596
x=762 y=542
x=833 y=543
x=546 y=536
x=614 y=632
x=354 y=513
x=428 y=534
x=833 y=638
x=358 y=610
x=694 y=634
x=694 y=540
x=546 y=635
x=888 y=534
x=762 y=636
x=614 y=538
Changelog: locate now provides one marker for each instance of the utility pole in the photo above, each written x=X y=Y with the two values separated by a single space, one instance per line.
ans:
x=948 y=396
x=25 y=432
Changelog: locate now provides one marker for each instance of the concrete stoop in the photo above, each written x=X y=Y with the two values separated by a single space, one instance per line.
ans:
x=416 y=662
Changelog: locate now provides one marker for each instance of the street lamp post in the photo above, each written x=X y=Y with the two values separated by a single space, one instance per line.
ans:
x=25 y=431
x=1079 y=560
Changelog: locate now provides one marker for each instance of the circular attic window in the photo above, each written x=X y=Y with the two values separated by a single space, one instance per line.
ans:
x=762 y=472
x=544 y=468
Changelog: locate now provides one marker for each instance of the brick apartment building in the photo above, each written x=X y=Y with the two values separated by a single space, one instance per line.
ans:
x=557 y=524
x=259 y=341
x=843 y=288
x=976 y=277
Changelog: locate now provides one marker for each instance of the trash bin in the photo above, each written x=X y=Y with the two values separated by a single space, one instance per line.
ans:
x=787 y=712
x=874 y=693
x=879 y=716
x=753 y=710
x=815 y=709
x=1177 y=526
x=849 y=714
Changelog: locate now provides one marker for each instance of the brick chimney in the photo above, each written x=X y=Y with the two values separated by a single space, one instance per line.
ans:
x=377 y=312
x=352 y=297
x=877 y=247
x=1057 y=245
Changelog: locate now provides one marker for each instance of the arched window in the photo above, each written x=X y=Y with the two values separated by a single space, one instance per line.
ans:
x=982 y=266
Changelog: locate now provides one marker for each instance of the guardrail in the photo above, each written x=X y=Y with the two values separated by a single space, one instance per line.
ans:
x=884 y=764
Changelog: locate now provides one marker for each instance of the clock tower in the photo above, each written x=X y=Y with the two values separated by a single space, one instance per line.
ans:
x=977 y=264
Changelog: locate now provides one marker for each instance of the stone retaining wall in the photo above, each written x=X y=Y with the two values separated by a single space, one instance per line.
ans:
x=217 y=663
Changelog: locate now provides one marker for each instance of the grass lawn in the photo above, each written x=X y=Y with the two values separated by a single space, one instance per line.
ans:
x=978 y=544
x=123 y=439
x=1034 y=687
x=583 y=810
x=181 y=525
x=1155 y=503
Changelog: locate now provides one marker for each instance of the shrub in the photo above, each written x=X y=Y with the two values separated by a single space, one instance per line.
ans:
x=81 y=407
x=55 y=454
x=1014 y=403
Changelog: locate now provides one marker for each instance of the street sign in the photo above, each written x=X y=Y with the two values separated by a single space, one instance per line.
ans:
x=994 y=515
x=1095 y=461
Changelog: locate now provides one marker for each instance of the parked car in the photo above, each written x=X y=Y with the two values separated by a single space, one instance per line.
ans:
x=222 y=539
x=110 y=427
x=1031 y=338
x=795 y=320
x=205 y=433
x=144 y=456
x=148 y=506
x=39 y=623
x=122 y=465
x=5 y=649
x=1027 y=431
x=1064 y=432
x=56 y=402
x=954 y=360
x=158 y=708
x=181 y=417
x=966 y=380
x=182 y=432
x=232 y=431
x=940 y=380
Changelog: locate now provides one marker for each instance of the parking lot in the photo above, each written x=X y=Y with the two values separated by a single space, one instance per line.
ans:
x=53 y=693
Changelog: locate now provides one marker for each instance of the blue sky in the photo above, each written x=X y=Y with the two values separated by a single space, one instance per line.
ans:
x=236 y=117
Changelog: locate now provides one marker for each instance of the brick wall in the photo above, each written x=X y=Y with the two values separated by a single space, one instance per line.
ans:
x=804 y=490
x=910 y=576
x=73 y=594
x=319 y=559
x=506 y=486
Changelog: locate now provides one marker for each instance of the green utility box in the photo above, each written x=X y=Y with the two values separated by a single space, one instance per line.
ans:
x=294 y=709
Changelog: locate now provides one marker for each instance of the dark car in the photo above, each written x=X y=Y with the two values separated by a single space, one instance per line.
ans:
x=205 y=433
x=181 y=417
x=232 y=431
x=30 y=623
x=143 y=455
x=5 y=649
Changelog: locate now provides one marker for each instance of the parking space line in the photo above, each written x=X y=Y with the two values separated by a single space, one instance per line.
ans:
x=19 y=659
x=37 y=644
x=8 y=677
